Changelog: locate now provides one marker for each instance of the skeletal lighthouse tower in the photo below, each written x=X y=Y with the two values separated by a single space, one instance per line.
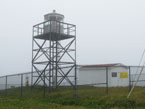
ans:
x=54 y=52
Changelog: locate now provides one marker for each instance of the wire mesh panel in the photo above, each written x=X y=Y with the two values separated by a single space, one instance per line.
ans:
x=137 y=78
x=14 y=85
x=2 y=83
x=118 y=80
x=138 y=74
x=3 y=86
x=25 y=84
x=92 y=80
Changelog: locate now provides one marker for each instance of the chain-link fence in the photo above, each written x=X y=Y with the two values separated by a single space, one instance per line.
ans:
x=111 y=81
x=103 y=81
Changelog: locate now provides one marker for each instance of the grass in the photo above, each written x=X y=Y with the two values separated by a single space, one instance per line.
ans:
x=62 y=98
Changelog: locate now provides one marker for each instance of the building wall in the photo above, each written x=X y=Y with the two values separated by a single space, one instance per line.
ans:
x=92 y=76
x=98 y=75
x=117 y=81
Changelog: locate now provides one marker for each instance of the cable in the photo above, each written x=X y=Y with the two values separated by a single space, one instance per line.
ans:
x=136 y=80
x=138 y=75
x=140 y=61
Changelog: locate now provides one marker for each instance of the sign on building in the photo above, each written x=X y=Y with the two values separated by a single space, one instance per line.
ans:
x=123 y=75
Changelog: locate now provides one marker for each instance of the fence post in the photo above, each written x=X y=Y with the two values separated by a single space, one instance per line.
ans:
x=21 y=83
x=31 y=79
x=129 y=80
x=75 y=87
x=44 y=85
x=107 y=80
x=6 y=87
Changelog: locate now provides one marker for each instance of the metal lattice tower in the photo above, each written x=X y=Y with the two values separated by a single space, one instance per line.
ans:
x=54 y=52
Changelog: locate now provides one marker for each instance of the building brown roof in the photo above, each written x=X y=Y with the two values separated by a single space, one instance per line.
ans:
x=101 y=65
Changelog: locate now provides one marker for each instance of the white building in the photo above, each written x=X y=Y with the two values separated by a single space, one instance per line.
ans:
x=96 y=74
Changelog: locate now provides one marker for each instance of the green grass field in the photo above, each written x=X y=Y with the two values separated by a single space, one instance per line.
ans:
x=62 y=98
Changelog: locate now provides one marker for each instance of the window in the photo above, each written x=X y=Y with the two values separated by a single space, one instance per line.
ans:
x=114 y=74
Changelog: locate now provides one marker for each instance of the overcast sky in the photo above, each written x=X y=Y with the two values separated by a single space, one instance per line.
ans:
x=108 y=31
